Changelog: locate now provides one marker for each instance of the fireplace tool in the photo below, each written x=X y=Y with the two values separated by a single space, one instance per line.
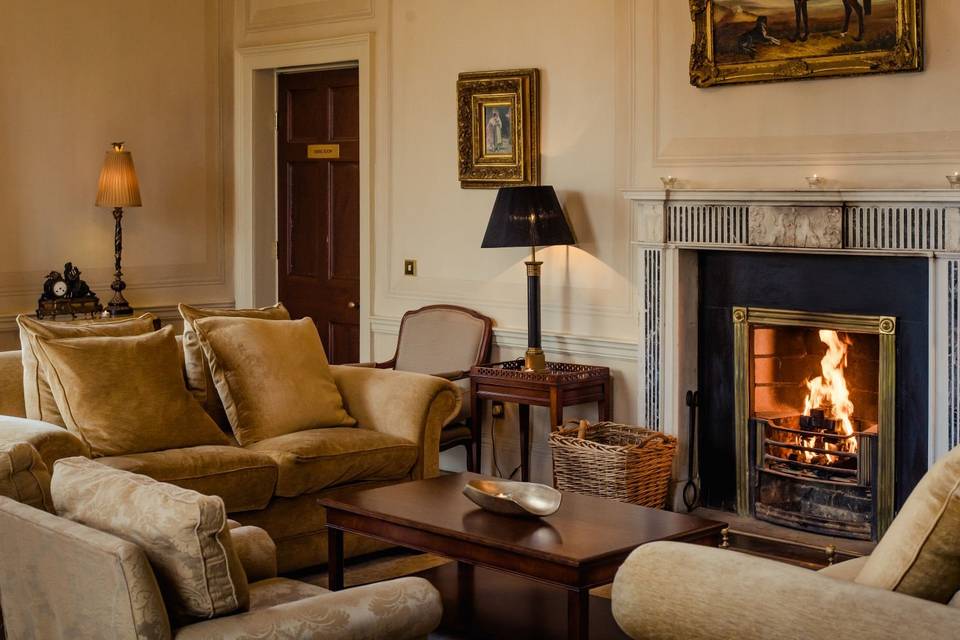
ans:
x=691 y=492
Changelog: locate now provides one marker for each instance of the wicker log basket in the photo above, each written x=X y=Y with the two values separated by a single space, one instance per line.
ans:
x=610 y=460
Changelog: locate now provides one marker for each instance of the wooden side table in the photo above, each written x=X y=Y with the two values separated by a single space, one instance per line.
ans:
x=562 y=385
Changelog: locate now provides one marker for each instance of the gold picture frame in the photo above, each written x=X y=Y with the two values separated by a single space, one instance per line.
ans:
x=498 y=128
x=738 y=42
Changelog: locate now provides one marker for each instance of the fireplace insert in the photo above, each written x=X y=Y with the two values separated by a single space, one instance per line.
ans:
x=814 y=419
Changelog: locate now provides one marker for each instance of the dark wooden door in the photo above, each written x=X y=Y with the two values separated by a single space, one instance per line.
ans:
x=318 y=192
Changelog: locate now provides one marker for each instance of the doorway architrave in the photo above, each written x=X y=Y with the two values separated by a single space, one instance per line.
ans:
x=255 y=194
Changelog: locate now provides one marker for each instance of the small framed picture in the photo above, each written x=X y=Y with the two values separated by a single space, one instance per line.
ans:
x=498 y=128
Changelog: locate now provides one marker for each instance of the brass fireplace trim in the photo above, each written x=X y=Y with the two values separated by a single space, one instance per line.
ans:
x=883 y=326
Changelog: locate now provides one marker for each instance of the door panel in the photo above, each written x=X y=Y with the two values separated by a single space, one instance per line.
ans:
x=343 y=234
x=319 y=205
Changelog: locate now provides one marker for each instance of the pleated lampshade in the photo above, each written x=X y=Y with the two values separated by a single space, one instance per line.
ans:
x=118 y=186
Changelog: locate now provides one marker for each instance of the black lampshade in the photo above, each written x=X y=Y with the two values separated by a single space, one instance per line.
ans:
x=527 y=217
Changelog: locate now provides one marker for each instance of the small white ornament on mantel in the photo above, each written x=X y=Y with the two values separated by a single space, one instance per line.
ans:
x=954 y=180
x=815 y=181
x=669 y=182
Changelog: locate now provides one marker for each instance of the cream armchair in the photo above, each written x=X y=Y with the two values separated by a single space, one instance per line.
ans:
x=61 y=579
x=675 y=591
x=903 y=590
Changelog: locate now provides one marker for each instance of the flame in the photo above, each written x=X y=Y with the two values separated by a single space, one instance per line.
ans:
x=828 y=391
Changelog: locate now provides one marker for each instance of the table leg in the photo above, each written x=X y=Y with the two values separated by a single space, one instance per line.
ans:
x=605 y=409
x=578 y=614
x=524 y=420
x=476 y=428
x=556 y=410
x=465 y=591
x=334 y=559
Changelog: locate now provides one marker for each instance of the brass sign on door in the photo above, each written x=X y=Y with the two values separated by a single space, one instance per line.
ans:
x=323 y=151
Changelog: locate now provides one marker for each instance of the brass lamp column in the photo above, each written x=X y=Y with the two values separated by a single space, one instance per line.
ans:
x=529 y=217
x=118 y=188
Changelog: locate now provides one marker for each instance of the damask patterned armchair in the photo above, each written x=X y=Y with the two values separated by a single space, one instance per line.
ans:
x=62 y=579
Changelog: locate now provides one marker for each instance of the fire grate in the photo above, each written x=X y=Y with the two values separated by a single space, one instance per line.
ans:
x=802 y=477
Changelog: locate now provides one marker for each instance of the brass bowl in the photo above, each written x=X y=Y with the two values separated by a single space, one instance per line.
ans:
x=514 y=498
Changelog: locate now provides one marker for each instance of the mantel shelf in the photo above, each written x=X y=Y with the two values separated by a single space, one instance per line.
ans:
x=796 y=197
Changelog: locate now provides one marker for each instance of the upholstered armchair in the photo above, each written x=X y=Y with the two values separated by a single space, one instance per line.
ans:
x=909 y=587
x=446 y=341
x=61 y=579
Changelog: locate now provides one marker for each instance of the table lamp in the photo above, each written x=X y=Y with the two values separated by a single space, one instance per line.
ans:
x=529 y=217
x=118 y=188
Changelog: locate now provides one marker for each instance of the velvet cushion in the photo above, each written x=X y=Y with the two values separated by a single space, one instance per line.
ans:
x=272 y=376
x=11 y=384
x=125 y=395
x=23 y=476
x=183 y=533
x=39 y=403
x=245 y=480
x=920 y=553
x=196 y=367
x=319 y=458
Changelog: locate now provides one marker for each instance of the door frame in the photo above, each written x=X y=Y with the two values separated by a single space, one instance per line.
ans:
x=255 y=186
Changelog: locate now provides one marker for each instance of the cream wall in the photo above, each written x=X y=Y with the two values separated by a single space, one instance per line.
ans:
x=617 y=112
x=898 y=130
x=78 y=75
x=420 y=211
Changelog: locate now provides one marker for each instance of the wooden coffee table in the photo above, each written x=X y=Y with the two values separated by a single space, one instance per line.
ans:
x=578 y=548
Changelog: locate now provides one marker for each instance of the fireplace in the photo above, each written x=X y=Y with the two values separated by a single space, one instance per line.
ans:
x=814 y=418
x=857 y=256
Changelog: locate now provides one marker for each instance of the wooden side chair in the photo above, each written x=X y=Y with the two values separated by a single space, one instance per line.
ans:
x=446 y=341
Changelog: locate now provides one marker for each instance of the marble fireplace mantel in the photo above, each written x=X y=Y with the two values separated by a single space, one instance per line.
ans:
x=668 y=228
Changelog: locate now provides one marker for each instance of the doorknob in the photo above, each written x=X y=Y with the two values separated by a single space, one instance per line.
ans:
x=351 y=305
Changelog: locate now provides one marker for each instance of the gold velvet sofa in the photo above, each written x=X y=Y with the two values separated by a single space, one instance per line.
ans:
x=275 y=484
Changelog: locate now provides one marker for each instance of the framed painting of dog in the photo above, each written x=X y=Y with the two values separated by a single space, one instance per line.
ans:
x=740 y=41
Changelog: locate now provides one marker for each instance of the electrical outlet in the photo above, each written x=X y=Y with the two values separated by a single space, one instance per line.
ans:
x=496 y=409
x=409 y=267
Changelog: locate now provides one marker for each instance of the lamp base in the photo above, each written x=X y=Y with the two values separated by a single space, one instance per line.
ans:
x=535 y=361
x=119 y=308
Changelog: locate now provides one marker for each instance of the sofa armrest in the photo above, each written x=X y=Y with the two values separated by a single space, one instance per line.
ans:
x=452 y=375
x=400 y=609
x=256 y=550
x=411 y=406
x=675 y=590
x=51 y=441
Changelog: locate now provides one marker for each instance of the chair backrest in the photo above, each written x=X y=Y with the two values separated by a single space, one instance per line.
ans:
x=61 y=579
x=442 y=338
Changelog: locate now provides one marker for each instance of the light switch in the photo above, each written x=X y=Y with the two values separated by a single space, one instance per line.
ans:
x=409 y=267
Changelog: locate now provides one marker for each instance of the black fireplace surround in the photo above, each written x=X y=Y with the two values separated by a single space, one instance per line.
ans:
x=864 y=285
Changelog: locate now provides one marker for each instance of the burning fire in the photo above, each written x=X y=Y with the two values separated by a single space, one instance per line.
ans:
x=828 y=392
